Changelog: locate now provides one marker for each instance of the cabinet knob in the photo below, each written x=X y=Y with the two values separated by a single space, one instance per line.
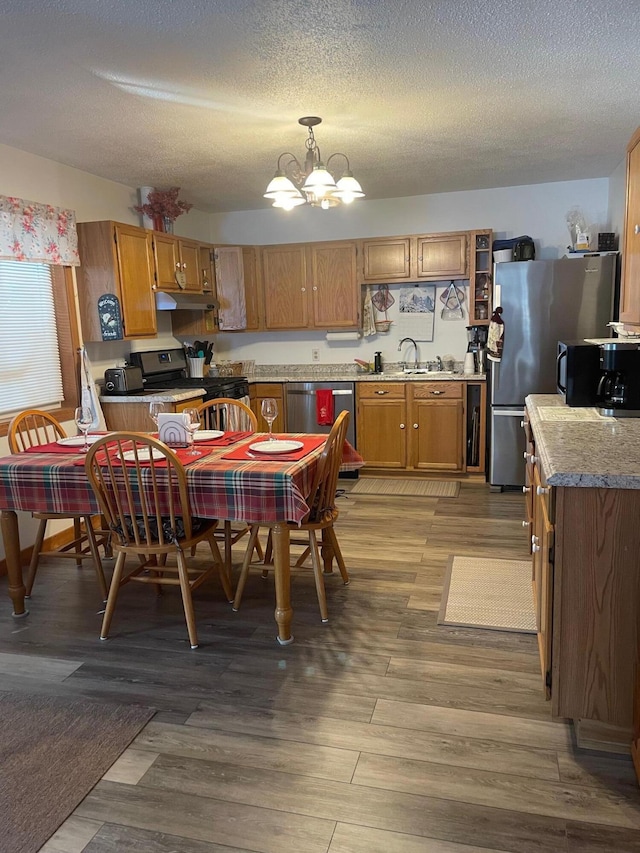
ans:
x=636 y=230
x=437 y=393
x=177 y=265
x=401 y=426
x=184 y=266
x=154 y=287
x=535 y=548
x=314 y=287
x=303 y=289
x=526 y=455
x=526 y=489
x=542 y=490
x=534 y=540
x=415 y=426
x=522 y=424
x=381 y=392
x=525 y=523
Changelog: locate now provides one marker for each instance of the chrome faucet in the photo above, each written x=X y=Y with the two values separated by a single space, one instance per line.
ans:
x=440 y=364
x=415 y=347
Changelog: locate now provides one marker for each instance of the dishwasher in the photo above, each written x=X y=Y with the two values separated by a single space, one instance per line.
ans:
x=301 y=406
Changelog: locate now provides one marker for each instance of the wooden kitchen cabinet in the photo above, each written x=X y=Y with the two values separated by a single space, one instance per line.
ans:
x=382 y=424
x=135 y=416
x=196 y=323
x=116 y=259
x=542 y=572
x=630 y=285
x=335 y=294
x=284 y=286
x=176 y=255
x=442 y=256
x=412 y=426
x=436 y=426
x=258 y=392
x=480 y=277
x=431 y=257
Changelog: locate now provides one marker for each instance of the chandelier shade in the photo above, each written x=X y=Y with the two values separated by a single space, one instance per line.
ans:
x=312 y=182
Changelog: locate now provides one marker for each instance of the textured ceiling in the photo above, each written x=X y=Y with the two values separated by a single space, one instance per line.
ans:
x=423 y=96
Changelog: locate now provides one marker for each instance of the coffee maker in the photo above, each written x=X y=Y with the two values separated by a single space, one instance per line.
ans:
x=619 y=385
x=477 y=344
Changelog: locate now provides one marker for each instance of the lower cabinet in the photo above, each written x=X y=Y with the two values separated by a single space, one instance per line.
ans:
x=259 y=392
x=412 y=426
x=135 y=416
x=542 y=539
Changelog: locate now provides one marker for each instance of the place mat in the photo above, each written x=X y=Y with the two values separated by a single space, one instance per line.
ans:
x=308 y=444
x=409 y=487
x=488 y=593
x=181 y=452
x=54 y=447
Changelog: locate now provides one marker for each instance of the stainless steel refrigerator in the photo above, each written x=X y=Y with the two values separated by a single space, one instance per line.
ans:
x=543 y=302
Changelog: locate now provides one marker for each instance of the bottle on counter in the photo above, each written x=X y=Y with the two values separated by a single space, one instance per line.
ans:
x=377 y=362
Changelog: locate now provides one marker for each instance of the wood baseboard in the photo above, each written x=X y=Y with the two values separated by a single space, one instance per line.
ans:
x=592 y=734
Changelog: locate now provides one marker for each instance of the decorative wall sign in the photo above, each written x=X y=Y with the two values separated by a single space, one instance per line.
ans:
x=110 y=317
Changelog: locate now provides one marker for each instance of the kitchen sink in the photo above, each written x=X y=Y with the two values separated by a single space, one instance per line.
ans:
x=424 y=372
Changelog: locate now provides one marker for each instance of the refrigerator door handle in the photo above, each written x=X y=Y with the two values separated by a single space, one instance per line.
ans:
x=508 y=413
x=559 y=358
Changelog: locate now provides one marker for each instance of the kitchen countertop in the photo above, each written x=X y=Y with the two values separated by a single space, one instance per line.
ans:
x=173 y=395
x=311 y=375
x=588 y=452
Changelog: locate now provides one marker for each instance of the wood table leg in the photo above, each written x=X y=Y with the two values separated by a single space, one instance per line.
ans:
x=11 y=539
x=282 y=574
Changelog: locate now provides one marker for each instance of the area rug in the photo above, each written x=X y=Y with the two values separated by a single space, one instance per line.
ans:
x=413 y=488
x=488 y=593
x=52 y=752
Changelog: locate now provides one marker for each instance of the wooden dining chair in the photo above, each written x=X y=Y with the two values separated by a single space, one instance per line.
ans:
x=230 y=415
x=141 y=487
x=321 y=517
x=33 y=428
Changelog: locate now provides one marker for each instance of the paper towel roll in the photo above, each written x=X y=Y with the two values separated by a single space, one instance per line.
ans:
x=343 y=336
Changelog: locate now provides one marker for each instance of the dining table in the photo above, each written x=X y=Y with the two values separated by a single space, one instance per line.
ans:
x=226 y=481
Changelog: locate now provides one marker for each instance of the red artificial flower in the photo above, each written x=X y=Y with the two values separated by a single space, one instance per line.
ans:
x=164 y=203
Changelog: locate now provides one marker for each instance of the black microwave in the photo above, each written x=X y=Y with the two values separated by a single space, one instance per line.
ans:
x=578 y=372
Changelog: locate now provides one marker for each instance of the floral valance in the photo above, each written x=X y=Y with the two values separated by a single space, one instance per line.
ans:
x=37 y=232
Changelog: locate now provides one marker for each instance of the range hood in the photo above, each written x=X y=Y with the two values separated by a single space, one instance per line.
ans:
x=185 y=301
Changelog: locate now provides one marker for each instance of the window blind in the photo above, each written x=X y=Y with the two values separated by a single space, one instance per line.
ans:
x=30 y=374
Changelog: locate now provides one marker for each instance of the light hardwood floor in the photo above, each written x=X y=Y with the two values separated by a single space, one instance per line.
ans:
x=379 y=732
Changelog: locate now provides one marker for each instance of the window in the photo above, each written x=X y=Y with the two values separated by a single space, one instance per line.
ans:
x=38 y=338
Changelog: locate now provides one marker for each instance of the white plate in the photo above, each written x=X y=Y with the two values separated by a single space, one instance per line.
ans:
x=77 y=440
x=207 y=434
x=143 y=454
x=275 y=446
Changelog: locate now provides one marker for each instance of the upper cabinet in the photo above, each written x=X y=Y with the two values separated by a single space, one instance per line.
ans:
x=177 y=263
x=630 y=291
x=115 y=281
x=480 y=290
x=310 y=286
x=431 y=257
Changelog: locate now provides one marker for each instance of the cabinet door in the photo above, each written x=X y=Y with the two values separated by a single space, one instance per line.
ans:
x=165 y=252
x=334 y=287
x=232 y=311
x=386 y=260
x=251 y=287
x=382 y=433
x=207 y=271
x=190 y=265
x=442 y=256
x=136 y=273
x=436 y=431
x=260 y=392
x=284 y=281
x=630 y=295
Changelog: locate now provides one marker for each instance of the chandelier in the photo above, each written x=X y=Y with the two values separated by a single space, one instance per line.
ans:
x=312 y=182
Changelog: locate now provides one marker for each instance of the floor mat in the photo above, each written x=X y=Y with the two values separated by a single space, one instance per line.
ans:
x=415 y=488
x=488 y=593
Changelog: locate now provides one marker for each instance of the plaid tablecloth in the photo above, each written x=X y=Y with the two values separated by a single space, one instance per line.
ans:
x=218 y=488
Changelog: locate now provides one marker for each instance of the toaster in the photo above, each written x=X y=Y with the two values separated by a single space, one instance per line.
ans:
x=123 y=380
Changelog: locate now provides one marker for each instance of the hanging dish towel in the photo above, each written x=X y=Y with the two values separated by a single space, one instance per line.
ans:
x=90 y=396
x=368 y=320
x=324 y=407
x=495 y=338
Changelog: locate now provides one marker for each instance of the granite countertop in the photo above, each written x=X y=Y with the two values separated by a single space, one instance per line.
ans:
x=349 y=373
x=175 y=395
x=578 y=447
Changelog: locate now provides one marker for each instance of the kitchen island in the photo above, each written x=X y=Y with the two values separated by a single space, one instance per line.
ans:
x=584 y=517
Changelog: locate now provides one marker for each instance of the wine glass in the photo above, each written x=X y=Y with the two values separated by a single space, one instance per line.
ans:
x=84 y=420
x=270 y=412
x=192 y=422
x=154 y=410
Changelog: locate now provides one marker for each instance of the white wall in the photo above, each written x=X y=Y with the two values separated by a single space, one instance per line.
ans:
x=617 y=200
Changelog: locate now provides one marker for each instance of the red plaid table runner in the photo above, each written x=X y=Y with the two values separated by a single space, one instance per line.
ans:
x=218 y=488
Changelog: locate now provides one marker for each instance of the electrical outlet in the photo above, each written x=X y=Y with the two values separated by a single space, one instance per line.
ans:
x=315 y=355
